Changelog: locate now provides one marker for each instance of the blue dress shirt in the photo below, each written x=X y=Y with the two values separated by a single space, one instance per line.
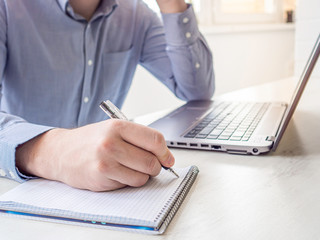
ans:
x=55 y=67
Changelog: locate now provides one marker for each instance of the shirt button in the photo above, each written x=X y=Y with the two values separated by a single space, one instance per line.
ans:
x=12 y=175
x=69 y=9
x=2 y=173
x=188 y=35
x=185 y=20
x=90 y=62
x=86 y=99
x=197 y=65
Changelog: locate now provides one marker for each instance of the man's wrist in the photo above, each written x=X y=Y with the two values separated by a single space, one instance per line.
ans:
x=172 y=6
x=32 y=156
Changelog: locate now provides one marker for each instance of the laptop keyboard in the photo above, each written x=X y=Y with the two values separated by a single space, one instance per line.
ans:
x=230 y=121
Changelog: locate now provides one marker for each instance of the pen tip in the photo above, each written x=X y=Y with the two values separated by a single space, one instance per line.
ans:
x=174 y=173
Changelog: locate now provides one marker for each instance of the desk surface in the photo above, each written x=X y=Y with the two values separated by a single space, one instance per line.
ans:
x=271 y=196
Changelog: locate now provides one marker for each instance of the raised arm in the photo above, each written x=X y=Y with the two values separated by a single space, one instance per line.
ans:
x=177 y=54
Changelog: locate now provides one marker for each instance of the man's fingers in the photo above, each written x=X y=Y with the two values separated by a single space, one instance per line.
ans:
x=137 y=159
x=128 y=176
x=148 y=139
x=107 y=185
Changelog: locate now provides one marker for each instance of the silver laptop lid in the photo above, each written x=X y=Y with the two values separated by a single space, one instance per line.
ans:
x=298 y=91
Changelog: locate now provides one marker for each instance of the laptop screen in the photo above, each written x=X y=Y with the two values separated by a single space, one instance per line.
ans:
x=298 y=91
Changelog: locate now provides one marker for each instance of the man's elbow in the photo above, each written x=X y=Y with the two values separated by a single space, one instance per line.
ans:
x=205 y=91
x=209 y=90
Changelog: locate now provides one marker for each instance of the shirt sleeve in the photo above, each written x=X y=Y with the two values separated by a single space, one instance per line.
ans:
x=13 y=130
x=178 y=55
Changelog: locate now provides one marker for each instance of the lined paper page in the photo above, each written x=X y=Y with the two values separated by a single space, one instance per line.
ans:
x=128 y=205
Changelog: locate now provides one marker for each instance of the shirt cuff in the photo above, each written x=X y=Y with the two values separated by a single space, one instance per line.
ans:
x=10 y=139
x=181 y=29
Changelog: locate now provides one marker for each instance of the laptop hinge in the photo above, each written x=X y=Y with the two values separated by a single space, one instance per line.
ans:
x=271 y=138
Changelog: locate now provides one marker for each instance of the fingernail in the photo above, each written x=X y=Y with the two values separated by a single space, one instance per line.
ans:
x=171 y=160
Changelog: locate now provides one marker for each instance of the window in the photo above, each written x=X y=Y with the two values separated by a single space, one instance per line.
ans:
x=237 y=11
x=246 y=6
x=242 y=11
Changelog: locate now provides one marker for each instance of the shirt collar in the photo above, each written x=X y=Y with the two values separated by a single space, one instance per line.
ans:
x=63 y=4
x=105 y=7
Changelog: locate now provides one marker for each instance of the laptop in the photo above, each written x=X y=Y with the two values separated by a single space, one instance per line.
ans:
x=233 y=127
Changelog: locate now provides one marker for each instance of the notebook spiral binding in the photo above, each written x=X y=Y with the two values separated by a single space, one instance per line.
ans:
x=177 y=198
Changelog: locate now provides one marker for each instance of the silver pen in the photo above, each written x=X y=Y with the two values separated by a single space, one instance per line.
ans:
x=113 y=112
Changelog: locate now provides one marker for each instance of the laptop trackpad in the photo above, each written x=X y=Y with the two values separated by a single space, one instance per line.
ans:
x=177 y=122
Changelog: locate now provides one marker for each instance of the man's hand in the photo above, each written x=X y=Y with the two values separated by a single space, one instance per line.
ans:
x=99 y=157
x=172 y=6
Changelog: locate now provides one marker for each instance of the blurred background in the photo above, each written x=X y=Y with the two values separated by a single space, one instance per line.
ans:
x=253 y=42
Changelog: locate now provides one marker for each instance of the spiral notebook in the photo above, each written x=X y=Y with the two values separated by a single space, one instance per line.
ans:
x=148 y=209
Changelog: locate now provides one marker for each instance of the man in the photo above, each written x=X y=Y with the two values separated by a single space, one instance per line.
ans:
x=59 y=59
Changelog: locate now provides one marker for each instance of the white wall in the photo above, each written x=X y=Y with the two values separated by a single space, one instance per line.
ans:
x=252 y=54
x=307 y=31
x=243 y=56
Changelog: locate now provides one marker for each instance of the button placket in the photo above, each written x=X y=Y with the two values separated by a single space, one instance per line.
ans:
x=89 y=66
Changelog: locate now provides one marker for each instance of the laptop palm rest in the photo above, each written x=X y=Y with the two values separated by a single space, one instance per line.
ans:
x=178 y=121
x=270 y=123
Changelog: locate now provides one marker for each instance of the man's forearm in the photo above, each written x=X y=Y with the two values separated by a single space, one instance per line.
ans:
x=172 y=6
x=33 y=157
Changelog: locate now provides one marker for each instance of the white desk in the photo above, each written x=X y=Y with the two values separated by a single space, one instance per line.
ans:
x=272 y=196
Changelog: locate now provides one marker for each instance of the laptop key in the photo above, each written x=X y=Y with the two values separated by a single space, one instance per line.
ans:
x=189 y=136
x=224 y=137
x=216 y=132
x=235 y=138
x=206 y=130
x=238 y=133
x=212 y=136
x=202 y=136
